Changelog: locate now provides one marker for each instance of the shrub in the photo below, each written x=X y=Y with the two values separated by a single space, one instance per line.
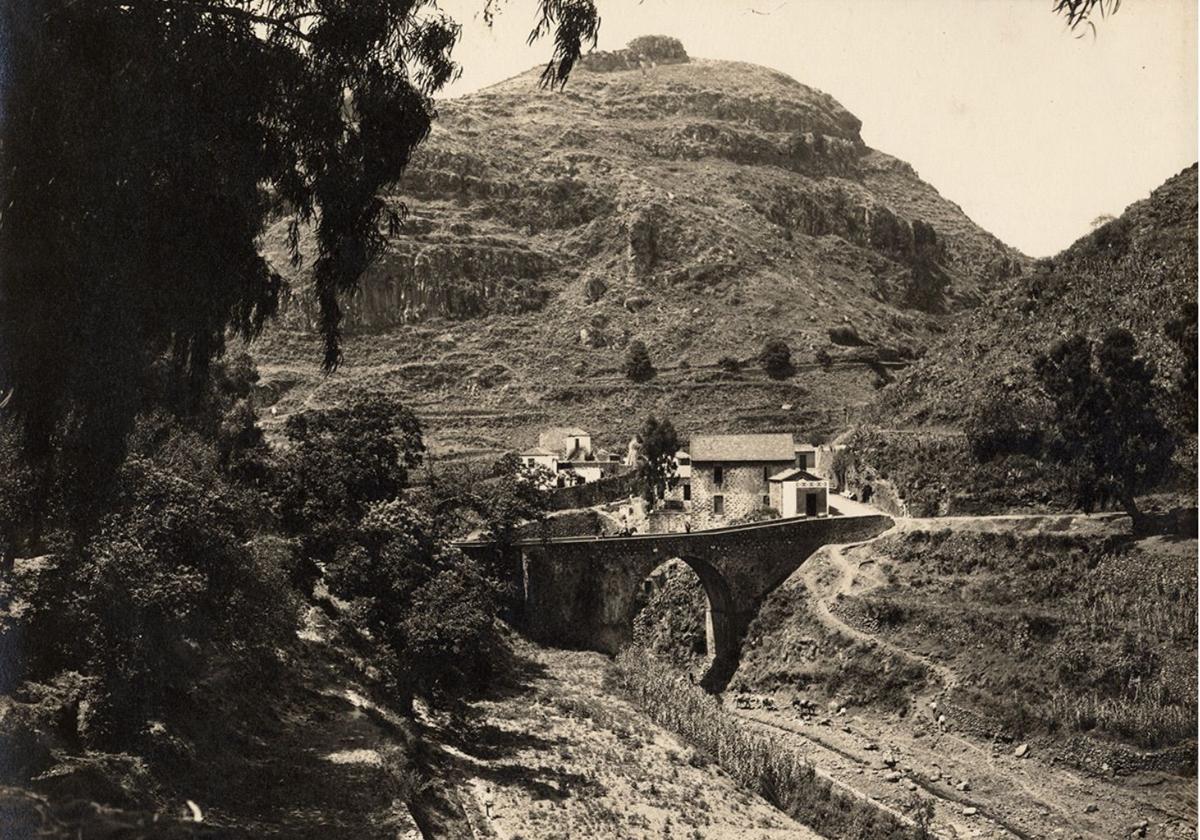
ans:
x=594 y=289
x=341 y=461
x=428 y=604
x=822 y=358
x=845 y=335
x=1002 y=423
x=729 y=364
x=637 y=366
x=166 y=590
x=776 y=359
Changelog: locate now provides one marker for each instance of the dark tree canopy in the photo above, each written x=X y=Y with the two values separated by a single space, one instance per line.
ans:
x=776 y=359
x=146 y=143
x=637 y=365
x=1105 y=429
x=660 y=442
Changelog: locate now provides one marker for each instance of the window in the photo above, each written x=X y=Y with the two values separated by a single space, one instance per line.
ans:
x=718 y=475
x=766 y=473
x=718 y=505
x=687 y=492
x=766 y=501
x=684 y=461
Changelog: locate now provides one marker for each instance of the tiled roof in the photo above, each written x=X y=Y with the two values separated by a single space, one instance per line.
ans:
x=538 y=450
x=795 y=475
x=762 y=447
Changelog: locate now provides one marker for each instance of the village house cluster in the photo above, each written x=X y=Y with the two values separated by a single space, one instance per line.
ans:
x=719 y=480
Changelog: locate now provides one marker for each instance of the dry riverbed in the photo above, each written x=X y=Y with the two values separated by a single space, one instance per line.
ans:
x=557 y=755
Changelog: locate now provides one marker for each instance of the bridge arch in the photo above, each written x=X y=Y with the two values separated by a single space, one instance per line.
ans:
x=580 y=592
x=722 y=638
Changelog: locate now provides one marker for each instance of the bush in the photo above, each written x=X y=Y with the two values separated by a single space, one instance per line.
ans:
x=167 y=590
x=341 y=461
x=1003 y=423
x=428 y=604
x=594 y=289
x=776 y=359
x=637 y=366
x=822 y=358
x=845 y=335
x=729 y=364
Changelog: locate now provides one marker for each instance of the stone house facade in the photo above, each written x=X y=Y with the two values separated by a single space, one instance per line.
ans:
x=730 y=476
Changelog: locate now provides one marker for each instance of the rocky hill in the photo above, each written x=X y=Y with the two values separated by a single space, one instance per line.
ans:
x=699 y=206
x=1137 y=272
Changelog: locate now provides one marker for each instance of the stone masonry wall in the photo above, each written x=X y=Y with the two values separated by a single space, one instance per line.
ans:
x=743 y=489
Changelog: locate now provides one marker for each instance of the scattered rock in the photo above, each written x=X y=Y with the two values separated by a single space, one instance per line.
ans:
x=891 y=776
x=1091 y=808
x=871 y=746
x=963 y=786
x=970 y=811
x=1021 y=751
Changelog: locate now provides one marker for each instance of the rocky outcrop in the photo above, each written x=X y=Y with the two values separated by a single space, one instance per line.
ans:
x=414 y=283
x=639 y=54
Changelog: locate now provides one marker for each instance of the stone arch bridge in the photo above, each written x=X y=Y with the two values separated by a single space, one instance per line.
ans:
x=580 y=592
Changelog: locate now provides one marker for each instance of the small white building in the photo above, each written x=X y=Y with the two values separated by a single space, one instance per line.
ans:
x=795 y=492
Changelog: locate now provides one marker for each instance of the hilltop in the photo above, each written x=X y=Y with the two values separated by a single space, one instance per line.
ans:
x=699 y=206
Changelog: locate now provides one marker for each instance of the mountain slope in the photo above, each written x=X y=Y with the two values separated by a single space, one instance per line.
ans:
x=699 y=206
x=1136 y=272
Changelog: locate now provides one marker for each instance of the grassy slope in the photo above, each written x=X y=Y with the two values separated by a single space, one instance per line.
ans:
x=733 y=241
x=1045 y=633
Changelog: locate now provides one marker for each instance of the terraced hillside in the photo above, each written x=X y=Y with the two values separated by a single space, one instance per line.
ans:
x=699 y=206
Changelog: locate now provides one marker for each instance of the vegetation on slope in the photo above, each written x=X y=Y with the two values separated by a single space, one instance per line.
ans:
x=131 y=641
x=984 y=421
x=1137 y=272
x=1051 y=634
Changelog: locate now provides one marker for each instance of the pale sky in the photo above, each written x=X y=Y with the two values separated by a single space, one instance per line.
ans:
x=1034 y=133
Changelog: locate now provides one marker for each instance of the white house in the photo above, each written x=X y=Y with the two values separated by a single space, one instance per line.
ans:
x=795 y=492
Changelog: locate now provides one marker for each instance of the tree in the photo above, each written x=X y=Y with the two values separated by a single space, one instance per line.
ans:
x=660 y=442
x=342 y=461
x=146 y=143
x=429 y=606
x=1105 y=429
x=1079 y=13
x=1182 y=333
x=638 y=366
x=776 y=359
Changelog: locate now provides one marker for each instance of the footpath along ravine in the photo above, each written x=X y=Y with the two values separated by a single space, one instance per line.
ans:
x=979 y=788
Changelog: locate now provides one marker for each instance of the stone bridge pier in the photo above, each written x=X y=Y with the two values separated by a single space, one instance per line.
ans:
x=581 y=592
